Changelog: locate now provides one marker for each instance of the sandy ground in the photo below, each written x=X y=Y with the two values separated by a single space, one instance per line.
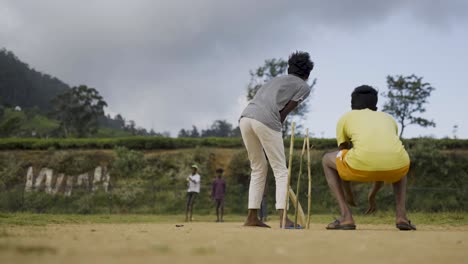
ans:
x=229 y=243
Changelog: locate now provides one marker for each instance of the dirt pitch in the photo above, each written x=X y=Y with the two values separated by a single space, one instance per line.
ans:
x=229 y=243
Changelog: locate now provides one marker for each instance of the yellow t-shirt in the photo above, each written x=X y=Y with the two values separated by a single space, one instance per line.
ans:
x=376 y=145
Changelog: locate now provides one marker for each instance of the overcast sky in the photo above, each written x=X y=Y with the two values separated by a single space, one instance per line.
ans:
x=170 y=64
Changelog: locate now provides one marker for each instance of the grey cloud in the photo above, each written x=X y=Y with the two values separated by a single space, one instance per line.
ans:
x=170 y=64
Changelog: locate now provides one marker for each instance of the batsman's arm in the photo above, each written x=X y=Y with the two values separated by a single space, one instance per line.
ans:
x=287 y=109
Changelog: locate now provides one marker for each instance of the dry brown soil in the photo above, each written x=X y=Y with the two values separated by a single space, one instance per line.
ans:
x=229 y=243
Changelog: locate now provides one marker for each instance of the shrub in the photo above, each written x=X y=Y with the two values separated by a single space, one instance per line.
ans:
x=149 y=143
x=128 y=163
x=155 y=182
x=10 y=167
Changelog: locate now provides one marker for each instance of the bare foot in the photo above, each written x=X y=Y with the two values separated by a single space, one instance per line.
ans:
x=372 y=205
x=256 y=223
x=252 y=219
x=289 y=223
x=402 y=220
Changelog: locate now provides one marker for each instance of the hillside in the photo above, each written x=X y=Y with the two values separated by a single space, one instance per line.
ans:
x=21 y=85
x=31 y=90
x=153 y=180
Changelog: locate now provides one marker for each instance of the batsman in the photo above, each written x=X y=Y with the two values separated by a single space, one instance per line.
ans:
x=261 y=124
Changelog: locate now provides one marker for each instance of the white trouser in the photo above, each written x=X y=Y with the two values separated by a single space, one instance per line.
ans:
x=257 y=139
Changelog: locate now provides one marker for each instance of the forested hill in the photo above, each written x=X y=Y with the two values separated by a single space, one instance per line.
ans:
x=33 y=91
x=21 y=85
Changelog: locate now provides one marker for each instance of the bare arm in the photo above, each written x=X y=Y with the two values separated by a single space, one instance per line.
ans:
x=287 y=109
x=376 y=187
x=371 y=197
x=194 y=180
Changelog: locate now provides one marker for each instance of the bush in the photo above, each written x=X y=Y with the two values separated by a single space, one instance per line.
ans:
x=11 y=200
x=128 y=163
x=155 y=182
x=150 y=143
x=10 y=167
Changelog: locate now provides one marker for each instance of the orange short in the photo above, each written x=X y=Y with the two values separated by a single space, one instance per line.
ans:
x=349 y=174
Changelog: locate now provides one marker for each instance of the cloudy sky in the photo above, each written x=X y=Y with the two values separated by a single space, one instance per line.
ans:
x=170 y=64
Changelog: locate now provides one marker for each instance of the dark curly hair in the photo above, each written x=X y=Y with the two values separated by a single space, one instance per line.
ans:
x=364 y=97
x=300 y=64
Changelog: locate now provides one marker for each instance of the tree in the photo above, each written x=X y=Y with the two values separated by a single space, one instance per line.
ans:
x=219 y=128
x=10 y=124
x=120 y=121
x=236 y=132
x=271 y=69
x=130 y=126
x=407 y=96
x=21 y=85
x=78 y=110
x=455 y=131
x=183 y=133
x=194 y=132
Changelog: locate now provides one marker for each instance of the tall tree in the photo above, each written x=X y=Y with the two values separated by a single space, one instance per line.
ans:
x=78 y=110
x=271 y=69
x=407 y=97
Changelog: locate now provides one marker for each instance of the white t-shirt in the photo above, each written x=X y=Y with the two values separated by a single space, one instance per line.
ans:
x=194 y=186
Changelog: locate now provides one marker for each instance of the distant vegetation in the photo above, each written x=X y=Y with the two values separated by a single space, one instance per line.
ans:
x=407 y=97
x=154 y=182
x=38 y=105
x=34 y=104
x=40 y=112
x=23 y=86
x=153 y=143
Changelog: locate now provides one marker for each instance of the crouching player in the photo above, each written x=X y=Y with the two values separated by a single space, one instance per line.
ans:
x=369 y=151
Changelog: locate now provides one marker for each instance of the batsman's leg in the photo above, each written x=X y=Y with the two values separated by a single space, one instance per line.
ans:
x=259 y=167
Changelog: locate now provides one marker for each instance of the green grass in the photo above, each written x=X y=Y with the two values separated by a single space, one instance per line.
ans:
x=453 y=218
